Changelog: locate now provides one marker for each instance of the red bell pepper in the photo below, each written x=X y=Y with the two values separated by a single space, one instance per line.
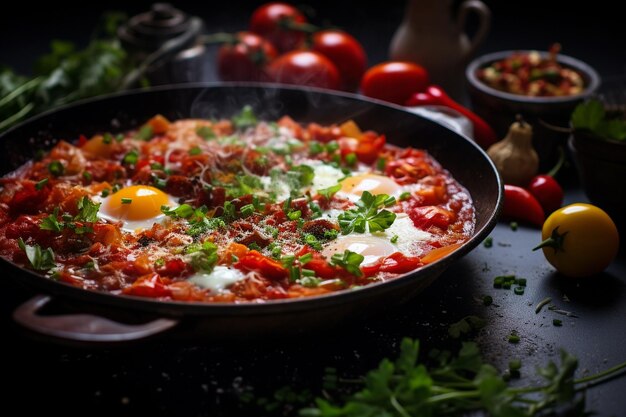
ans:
x=435 y=96
x=519 y=204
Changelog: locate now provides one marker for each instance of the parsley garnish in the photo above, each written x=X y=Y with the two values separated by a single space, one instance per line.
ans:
x=367 y=217
x=245 y=119
x=329 y=192
x=350 y=261
x=87 y=210
x=195 y=151
x=51 y=222
x=40 y=259
x=145 y=133
x=205 y=132
x=454 y=386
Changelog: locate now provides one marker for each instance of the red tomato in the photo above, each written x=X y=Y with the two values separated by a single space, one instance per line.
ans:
x=270 y=21
x=304 y=68
x=254 y=261
x=245 y=59
x=547 y=191
x=345 y=52
x=394 y=81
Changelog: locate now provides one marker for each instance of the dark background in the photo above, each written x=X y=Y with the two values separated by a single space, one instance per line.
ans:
x=594 y=32
x=204 y=377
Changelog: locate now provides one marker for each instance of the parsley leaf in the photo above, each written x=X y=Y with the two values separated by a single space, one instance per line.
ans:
x=329 y=192
x=350 y=261
x=87 y=210
x=245 y=119
x=592 y=117
x=51 y=222
x=367 y=217
x=40 y=259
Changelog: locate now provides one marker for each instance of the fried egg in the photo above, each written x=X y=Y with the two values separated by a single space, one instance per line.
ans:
x=374 y=246
x=138 y=207
x=353 y=187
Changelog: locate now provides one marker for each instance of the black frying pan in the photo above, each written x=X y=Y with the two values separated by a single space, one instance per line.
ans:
x=465 y=160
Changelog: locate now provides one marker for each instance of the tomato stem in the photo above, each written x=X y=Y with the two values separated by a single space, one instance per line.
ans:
x=219 y=37
x=287 y=22
x=555 y=241
x=555 y=170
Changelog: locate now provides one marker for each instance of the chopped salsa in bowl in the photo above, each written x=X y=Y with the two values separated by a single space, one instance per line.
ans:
x=533 y=74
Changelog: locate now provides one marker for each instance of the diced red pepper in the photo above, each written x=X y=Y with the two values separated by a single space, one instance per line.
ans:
x=254 y=261
x=150 y=285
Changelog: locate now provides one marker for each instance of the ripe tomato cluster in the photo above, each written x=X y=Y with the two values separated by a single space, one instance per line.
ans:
x=282 y=46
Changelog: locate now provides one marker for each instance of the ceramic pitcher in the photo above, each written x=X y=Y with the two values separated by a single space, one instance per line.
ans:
x=431 y=37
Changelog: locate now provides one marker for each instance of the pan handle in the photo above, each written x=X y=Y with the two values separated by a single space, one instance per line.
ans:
x=84 y=327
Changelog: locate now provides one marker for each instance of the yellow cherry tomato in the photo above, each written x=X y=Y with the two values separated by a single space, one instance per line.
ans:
x=579 y=240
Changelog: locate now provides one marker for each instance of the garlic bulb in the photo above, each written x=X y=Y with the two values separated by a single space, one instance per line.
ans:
x=514 y=156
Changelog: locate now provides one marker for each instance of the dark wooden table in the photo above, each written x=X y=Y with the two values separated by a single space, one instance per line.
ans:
x=206 y=377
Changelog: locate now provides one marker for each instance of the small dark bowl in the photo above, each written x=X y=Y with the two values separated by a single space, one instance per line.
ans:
x=601 y=166
x=499 y=108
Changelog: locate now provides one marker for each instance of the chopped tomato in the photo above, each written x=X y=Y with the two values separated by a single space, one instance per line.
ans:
x=159 y=124
x=28 y=198
x=399 y=263
x=428 y=216
x=366 y=147
x=254 y=261
x=149 y=285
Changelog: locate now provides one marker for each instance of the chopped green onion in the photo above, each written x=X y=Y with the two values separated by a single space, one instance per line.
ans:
x=557 y=322
x=488 y=242
x=294 y=215
x=126 y=200
x=487 y=300
x=195 y=151
x=404 y=196
x=381 y=163
x=394 y=239
x=515 y=365
x=56 y=168
x=107 y=138
x=351 y=159
x=513 y=338
x=519 y=290
x=513 y=226
x=87 y=176
x=41 y=184
x=247 y=210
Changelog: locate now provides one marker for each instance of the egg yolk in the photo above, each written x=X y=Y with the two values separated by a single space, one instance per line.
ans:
x=375 y=184
x=137 y=202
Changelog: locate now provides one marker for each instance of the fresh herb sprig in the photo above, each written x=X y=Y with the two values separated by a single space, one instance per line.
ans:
x=65 y=75
x=592 y=117
x=456 y=386
x=368 y=216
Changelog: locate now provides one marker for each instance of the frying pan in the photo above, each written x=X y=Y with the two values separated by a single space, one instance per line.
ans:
x=119 y=112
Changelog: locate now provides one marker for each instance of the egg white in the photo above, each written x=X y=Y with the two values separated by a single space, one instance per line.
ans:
x=374 y=246
x=217 y=280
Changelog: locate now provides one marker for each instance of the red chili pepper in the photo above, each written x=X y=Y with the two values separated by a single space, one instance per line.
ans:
x=434 y=95
x=519 y=204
